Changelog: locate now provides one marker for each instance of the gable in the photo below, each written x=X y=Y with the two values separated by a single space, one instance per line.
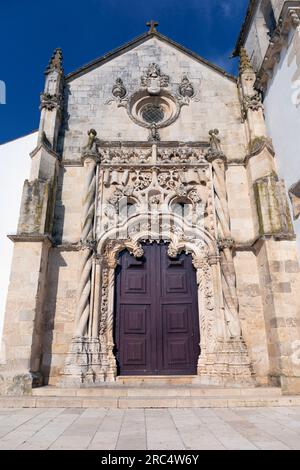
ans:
x=137 y=42
x=90 y=101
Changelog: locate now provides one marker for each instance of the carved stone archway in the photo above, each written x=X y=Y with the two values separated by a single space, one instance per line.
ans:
x=153 y=190
x=204 y=263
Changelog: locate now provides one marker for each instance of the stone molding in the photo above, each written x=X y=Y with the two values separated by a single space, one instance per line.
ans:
x=47 y=148
x=152 y=178
x=51 y=101
x=31 y=237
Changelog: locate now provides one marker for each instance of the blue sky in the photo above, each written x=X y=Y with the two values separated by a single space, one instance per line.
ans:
x=31 y=29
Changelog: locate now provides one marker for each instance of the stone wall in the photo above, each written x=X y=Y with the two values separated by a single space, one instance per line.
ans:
x=217 y=104
x=243 y=250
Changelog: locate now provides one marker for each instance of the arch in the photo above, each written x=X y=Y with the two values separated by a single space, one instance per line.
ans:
x=205 y=261
x=181 y=236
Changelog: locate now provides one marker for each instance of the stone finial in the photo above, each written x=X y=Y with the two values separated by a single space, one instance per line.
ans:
x=214 y=140
x=91 y=148
x=154 y=134
x=245 y=64
x=215 y=150
x=92 y=136
x=55 y=62
x=152 y=26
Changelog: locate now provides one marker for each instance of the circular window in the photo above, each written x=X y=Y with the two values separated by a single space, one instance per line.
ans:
x=153 y=114
x=147 y=110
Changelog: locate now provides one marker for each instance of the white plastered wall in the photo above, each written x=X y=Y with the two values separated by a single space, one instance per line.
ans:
x=15 y=164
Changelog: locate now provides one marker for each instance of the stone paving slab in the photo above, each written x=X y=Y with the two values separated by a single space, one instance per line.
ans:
x=151 y=429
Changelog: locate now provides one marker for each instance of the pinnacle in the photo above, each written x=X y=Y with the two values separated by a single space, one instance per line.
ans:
x=55 y=62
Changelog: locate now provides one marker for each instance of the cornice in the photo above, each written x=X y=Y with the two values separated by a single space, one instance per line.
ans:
x=31 y=237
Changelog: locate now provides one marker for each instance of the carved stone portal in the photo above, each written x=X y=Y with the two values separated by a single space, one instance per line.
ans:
x=157 y=194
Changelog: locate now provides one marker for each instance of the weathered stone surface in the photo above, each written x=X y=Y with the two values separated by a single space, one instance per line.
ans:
x=60 y=311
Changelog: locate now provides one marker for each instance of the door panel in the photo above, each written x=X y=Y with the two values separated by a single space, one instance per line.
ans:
x=157 y=323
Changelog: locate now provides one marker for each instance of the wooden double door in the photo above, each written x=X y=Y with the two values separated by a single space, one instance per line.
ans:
x=156 y=314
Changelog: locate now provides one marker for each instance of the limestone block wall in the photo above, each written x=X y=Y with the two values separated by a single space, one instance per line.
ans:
x=59 y=311
x=280 y=284
x=22 y=337
x=252 y=313
x=242 y=213
x=67 y=219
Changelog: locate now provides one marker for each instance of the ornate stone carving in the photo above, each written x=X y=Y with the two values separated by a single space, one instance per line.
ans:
x=55 y=63
x=181 y=155
x=125 y=155
x=186 y=89
x=141 y=180
x=245 y=64
x=294 y=17
x=254 y=103
x=114 y=247
x=119 y=93
x=162 y=108
x=119 y=90
x=181 y=190
x=204 y=281
x=83 y=359
x=119 y=193
x=224 y=234
x=225 y=243
x=154 y=134
x=168 y=180
x=194 y=196
x=215 y=141
x=50 y=102
x=215 y=151
x=153 y=80
x=91 y=147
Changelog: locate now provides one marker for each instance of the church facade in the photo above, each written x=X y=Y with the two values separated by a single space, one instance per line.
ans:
x=154 y=236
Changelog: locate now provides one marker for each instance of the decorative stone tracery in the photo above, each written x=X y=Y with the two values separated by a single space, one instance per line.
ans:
x=154 y=180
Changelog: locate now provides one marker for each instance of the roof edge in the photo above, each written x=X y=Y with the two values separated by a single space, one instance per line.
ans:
x=245 y=27
x=139 y=40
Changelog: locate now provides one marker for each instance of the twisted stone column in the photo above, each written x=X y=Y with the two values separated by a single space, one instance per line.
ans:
x=85 y=269
x=111 y=360
x=83 y=361
x=217 y=159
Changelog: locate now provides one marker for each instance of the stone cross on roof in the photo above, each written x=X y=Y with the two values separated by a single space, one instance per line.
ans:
x=152 y=25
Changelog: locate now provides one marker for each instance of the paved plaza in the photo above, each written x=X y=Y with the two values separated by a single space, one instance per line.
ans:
x=153 y=429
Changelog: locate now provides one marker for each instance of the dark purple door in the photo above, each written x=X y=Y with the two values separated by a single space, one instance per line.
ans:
x=157 y=320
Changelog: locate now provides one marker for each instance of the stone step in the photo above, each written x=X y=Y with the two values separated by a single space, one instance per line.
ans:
x=158 y=380
x=117 y=391
x=148 y=402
